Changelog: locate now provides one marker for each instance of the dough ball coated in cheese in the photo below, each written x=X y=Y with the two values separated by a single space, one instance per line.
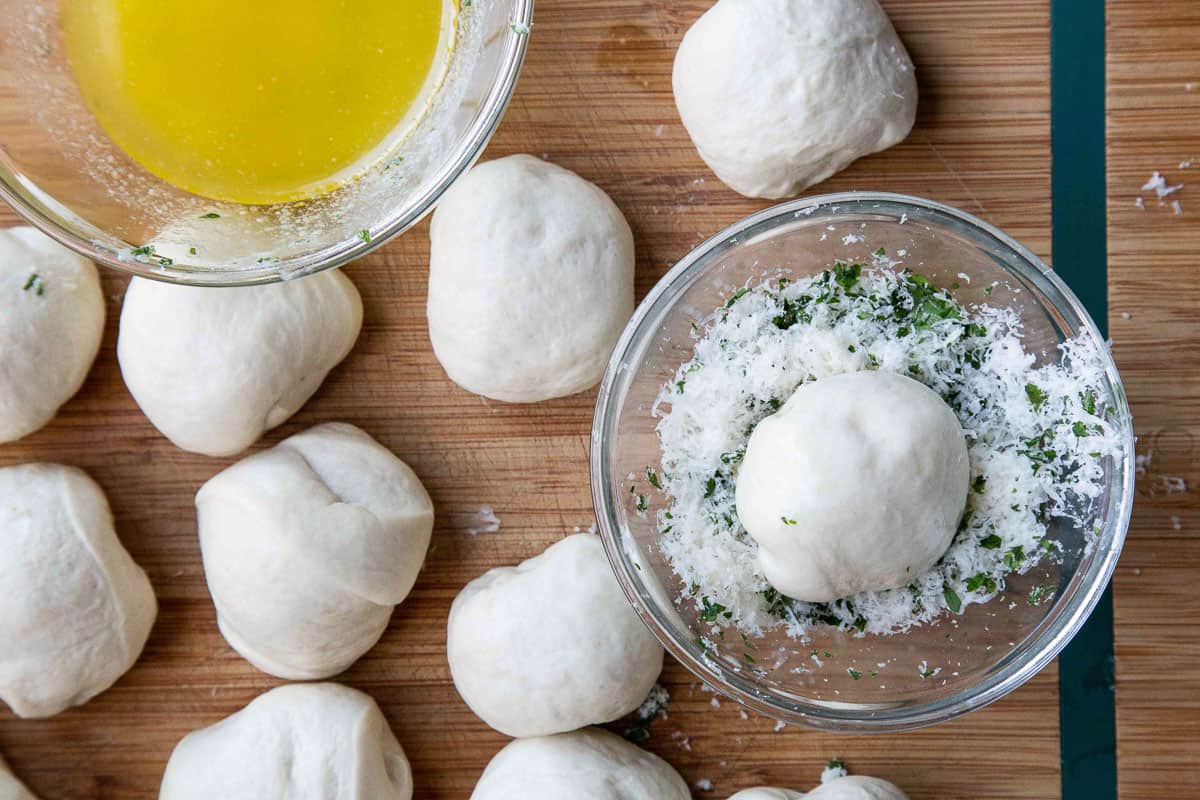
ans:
x=215 y=368
x=309 y=546
x=51 y=322
x=856 y=484
x=780 y=94
x=76 y=609
x=551 y=645
x=590 y=764
x=316 y=741
x=530 y=280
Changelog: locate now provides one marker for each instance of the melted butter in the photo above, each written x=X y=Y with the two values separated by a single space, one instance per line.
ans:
x=256 y=101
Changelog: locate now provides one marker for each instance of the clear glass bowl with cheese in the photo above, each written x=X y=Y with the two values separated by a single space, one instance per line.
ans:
x=847 y=675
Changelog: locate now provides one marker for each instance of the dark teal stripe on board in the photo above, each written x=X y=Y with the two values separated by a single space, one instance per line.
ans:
x=1086 y=708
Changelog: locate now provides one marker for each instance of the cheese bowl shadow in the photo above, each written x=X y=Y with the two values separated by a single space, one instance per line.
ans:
x=61 y=172
x=832 y=679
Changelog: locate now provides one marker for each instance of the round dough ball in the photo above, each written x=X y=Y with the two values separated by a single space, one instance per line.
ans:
x=530 y=280
x=857 y=787
x=853 y=787
x=856 y=484
x=551 y=645
x=309 y=546
x=590 y=764
x=766 y=793
x=50 y=328
x=317 y=741
x=77 y=610
x=780 y=94
x=10 y=787
x=215 y=368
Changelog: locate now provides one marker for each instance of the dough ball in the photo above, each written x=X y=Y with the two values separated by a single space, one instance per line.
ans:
x=857 y=787
x=77 y=610
x=316 y=741
x=309 y=546
x=766 y=793
x=51 y=321
x=854 y=787
x=551 y=645
x=530 y=280
x=780 y=94
x=215 y=368
x=856 y=484
x=10 y=787
x=590 y=764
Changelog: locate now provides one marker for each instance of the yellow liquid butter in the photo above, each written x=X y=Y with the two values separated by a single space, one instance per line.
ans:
x=256 y=101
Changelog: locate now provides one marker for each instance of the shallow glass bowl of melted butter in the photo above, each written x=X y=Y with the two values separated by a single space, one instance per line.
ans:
x=799 y=294
x=233 y=143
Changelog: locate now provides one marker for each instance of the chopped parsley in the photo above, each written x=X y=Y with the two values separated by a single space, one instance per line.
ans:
x=365 y=235
x=981 y=581
x=35 y=284
x=1035 y=394
x=738 y=295
x=991 y=542
x=853 y=673
x=953 y=601
x=210 y=215
x=1014 y=557
x=146 y=253
x=847 y=276
x=787 y=521
x=711 y=611
x=1038 y=594
x=652 y=478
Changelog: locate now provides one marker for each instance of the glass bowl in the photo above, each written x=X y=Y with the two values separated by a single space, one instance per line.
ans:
x=60 y=171
x=936 y=672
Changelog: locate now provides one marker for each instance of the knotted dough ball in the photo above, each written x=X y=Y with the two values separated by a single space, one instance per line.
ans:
x=317 y=741
x=215 y=368
x=856 y=484
x=591 y=764
x=75 y=609
x=780 y=94
x=552 y=644
x=51 y=322
x=10 y=787
x=309 y=546
x=853 y=787
x=530 y=280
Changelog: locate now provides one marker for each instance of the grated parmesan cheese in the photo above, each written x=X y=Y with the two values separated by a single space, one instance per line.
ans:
x=1036 y=438
x=485 y=521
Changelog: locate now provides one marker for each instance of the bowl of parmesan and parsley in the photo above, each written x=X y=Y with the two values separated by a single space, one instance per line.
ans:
x=862 y=462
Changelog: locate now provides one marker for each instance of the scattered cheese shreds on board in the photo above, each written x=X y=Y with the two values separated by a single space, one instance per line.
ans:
x=1037 y=434
x=1158 y=184
x=485 y=520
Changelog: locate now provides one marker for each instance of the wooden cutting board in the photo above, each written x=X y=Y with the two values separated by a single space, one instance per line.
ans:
x=595 y=97
x=1154 y=311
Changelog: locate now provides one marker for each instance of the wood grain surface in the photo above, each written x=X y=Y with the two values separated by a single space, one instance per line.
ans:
x=595 y=96
x=1154 y=124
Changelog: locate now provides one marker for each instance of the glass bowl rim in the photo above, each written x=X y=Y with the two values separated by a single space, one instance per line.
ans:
x=462 y=158
x=1064 y=619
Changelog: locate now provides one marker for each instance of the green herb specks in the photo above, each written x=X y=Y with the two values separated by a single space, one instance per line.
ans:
x=35 y=284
